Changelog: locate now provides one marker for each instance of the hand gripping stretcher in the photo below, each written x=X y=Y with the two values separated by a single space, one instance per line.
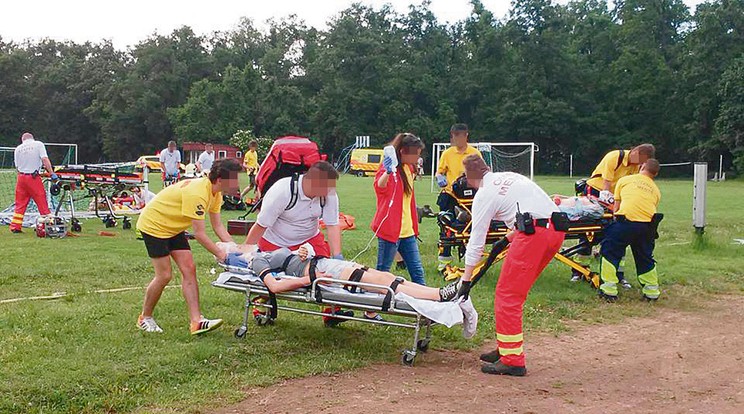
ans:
x=331 y=292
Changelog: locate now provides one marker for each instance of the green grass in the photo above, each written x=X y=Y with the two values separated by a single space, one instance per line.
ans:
x=84 y=354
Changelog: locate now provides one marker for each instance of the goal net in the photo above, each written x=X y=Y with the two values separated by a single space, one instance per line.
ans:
x=516 y=157
x=59 y=154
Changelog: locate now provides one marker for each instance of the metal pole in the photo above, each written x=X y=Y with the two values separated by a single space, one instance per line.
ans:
x=698 y=196
x=146 y=180
x=532 y=163
x=720 y=168
x=570 y=173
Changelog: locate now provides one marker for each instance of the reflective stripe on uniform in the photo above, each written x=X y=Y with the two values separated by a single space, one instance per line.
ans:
x=509 y=338
x=511 y=351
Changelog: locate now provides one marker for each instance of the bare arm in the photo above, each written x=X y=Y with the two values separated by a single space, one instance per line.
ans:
x=255 y=234
x=607 y=185
x=219 y=229
x=162 y=166
x=200 y=234
x=47 y=165
x=334 y=239
x=285 y=285
x=383 y=181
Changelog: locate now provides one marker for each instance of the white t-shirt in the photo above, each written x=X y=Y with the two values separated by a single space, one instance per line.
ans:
x=28 y=156
x=171 y=160
x=497 y=199
x=206 y=160
x=285 y=228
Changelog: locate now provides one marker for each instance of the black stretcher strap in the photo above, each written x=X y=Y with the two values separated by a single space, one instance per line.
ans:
x=389 y=296
x=356 y=276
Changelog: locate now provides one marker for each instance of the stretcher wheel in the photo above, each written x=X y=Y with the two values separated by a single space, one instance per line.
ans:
x=127 y=224
x=76 y=227
x=240 y=332
x=408 y=358
x=109 y=222
x=423 y=345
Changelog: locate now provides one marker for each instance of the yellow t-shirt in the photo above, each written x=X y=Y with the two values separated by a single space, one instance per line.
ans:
x=173 y=208
x=251 y=161
x=638 y=196
x=450 y=163
x=406 y=220
x=609 y=170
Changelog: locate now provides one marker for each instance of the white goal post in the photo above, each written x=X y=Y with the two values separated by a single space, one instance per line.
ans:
x=500 y=156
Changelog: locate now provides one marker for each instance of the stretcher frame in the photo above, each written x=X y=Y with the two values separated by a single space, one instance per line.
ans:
x=588 y=232
x=311 y=295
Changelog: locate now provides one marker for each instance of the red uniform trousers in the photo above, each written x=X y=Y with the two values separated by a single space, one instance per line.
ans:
x=527 y=257
x=28 y=187
x=318 y=242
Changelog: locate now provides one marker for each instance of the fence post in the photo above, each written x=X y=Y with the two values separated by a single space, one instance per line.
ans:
x=698 y=196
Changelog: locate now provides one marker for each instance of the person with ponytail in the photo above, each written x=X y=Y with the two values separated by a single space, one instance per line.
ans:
x=395 y=222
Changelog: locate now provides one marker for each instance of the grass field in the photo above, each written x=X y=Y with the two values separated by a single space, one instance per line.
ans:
x=83 y=353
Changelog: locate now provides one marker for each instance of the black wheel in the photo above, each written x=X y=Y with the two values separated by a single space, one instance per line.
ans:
x=126 y=225
x=76 y=227
x=423 y=345
x=264 y=320
x=240 y=332
x=360 y=174
x=408 y=358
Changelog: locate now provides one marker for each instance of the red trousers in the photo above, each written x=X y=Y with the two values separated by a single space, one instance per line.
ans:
x=527 y=257
x=28 y=187
x=318 y=242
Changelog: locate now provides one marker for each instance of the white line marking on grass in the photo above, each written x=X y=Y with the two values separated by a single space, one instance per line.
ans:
x=60 y=295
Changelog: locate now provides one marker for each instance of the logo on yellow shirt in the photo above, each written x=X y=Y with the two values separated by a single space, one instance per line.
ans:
x=199 y=210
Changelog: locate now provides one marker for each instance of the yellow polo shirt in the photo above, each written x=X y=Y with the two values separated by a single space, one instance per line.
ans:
x=450 y=163
x=251 y=161
x=406 y=220
x=173 y=208
x=638 y=196
x=608 y=169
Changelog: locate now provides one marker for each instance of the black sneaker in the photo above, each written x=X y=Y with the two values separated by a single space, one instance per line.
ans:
x=377 y=317
x=490 y=357
x=331 y=322
x=499 y=368
x=16 y=231
x=650 y=299
x=608 y=298
x=576 y=276
x=449 y=292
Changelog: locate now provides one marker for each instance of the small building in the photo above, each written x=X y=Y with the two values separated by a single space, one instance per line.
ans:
x=192 y=150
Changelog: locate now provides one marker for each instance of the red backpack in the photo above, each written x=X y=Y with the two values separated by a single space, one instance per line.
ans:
x=288 y=157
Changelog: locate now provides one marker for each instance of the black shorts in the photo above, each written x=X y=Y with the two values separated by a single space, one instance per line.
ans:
x=157 y=247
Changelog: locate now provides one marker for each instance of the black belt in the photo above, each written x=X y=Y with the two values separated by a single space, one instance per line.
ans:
x=34 y=174
x=542 y=223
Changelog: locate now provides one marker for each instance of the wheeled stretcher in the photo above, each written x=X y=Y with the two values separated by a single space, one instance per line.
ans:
x=100 y=181
x=455 y=232
x=330 y=292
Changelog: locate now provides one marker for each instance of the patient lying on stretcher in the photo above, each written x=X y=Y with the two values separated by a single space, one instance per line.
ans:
x=305 y=267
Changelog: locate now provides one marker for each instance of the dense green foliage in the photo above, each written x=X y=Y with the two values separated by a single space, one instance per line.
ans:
x=578 y=78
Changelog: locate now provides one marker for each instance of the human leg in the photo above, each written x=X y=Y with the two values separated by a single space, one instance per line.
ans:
x=612 y=252
x=38 y=193
x=21 y=202
x=385 y=254
x=643 y=254
x=409 y=250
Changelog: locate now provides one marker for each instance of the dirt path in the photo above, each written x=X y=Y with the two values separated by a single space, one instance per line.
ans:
x=674 y=362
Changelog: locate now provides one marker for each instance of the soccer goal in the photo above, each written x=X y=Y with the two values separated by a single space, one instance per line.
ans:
x=517 y=157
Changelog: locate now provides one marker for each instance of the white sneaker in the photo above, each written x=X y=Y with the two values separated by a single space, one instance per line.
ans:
x=148 y=324
x=205 y=325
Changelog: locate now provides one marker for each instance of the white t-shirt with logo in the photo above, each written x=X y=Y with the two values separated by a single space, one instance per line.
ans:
x=285 y=228
x=171 y=160
x=206 y=160
x=497 y=199
x=28 y=156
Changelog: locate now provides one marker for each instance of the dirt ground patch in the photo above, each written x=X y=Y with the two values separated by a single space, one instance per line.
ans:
x=674 y=362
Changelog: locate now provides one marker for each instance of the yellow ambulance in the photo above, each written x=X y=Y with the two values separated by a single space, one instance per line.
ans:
x=365 y=161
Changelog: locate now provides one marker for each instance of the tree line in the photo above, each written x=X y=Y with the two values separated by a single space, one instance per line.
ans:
x=579 y=78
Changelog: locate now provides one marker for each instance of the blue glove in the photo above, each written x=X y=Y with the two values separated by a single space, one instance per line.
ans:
x=387 y=163
x=54 y=177
x=236 y=260
x=339 y=256
x=441 y=180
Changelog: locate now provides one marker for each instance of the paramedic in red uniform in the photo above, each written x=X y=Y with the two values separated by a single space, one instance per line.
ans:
x=506 y=197
x=30 y=156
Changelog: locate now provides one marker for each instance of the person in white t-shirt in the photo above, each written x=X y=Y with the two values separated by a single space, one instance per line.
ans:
x=508 y=197
x=29 y=157
x=290 y=217
x=206 y=159
x=170 y=160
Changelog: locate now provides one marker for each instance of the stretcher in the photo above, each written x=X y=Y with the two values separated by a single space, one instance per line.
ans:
x=455 y=233
x=327 y=292
x=98 y=181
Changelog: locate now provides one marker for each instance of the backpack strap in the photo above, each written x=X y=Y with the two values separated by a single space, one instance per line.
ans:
x=620 y=159
x=294 y=191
